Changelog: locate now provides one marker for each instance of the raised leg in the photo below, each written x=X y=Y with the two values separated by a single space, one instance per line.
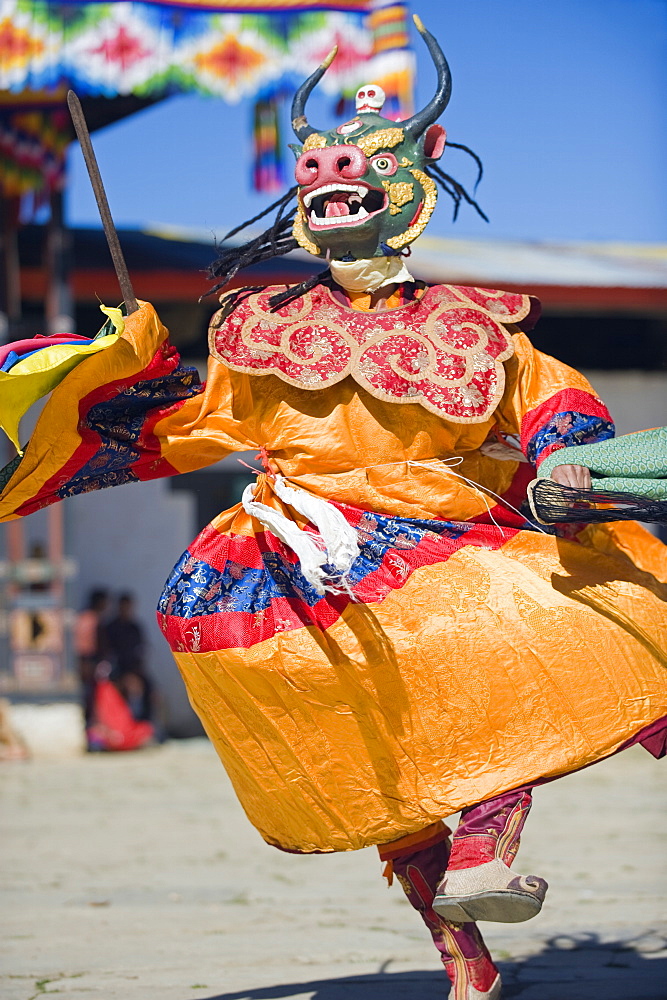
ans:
x=463 y=953
x=478 y=883
x=490 y=830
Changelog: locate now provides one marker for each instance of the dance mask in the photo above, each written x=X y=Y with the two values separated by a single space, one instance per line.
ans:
x=363 y=189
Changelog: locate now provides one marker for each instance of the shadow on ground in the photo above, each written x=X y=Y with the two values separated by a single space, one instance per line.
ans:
x=580 y=967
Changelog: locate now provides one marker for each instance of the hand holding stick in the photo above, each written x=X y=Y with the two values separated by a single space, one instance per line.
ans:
x=83 y=135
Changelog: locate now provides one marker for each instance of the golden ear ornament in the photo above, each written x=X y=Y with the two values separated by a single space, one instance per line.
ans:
x=299 y=233
x=418 y=227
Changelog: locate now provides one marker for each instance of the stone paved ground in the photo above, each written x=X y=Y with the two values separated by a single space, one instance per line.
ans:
x=138 y=878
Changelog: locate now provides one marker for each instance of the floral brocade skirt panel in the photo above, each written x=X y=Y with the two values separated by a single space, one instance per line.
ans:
x=466 y=660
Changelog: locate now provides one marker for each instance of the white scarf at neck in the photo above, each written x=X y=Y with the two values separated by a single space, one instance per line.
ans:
x=369 y=275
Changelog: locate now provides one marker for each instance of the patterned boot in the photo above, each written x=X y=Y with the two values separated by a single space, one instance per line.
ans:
x=478 y=883
x=463 y=953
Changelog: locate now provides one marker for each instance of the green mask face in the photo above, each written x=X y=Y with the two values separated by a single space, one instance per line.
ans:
x=363 y=190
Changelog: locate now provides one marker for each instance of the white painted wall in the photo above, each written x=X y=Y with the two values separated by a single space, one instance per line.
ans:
x=637 y=400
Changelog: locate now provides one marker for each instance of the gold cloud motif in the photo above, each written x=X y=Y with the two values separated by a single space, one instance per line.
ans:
x=383 y=138
x=400 y=193
x=314 y=141
x=430 y=198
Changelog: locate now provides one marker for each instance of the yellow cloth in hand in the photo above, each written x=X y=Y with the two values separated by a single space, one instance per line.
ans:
x=38 y=374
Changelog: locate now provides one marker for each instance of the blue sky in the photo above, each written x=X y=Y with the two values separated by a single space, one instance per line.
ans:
x=564 y=100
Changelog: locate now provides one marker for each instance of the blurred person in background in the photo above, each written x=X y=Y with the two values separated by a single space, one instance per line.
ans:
x=90 y=645
x=127 y=652
x=112 y=725
x=119 y=716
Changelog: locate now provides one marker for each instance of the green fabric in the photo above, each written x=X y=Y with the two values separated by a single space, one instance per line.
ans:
x=9 y=470
x=632 y=463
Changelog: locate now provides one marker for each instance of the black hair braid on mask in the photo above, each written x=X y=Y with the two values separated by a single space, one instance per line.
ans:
x=280 y=220
x=230 y=263
x=453 y=194
x=293 y=292
x=470 y=152
x=281 y=202
x=454 y=189
x=233 y=299
x=273 y=242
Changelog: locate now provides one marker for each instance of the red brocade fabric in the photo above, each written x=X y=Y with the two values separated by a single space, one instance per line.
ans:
x=256 y=582
x=443 y=351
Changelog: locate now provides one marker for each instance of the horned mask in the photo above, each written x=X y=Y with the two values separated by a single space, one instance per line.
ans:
x=363 y=191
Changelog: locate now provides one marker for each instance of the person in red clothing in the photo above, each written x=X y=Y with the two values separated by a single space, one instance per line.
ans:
x=110 y=724
x=127 y=653
x=113 y=727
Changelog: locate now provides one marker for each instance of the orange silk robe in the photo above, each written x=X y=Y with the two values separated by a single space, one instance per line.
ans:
x=480 y=656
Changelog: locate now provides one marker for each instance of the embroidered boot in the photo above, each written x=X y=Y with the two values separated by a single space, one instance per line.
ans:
x=478 y=883
x=462 y=950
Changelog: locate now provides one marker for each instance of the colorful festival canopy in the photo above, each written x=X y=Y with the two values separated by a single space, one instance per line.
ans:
x=122 y=56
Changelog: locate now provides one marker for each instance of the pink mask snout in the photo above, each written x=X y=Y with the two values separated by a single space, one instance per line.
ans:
x=330 y=164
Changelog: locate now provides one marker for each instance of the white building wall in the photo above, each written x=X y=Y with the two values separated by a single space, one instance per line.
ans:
x=637 y=400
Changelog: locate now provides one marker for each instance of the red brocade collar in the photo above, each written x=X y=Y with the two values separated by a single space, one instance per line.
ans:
x=443 y=351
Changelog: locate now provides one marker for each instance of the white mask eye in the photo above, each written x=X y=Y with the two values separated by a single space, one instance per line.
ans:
x=385 y=163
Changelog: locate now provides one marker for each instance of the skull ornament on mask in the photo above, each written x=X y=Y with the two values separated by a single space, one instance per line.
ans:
x=370 y=97
x=363 y=190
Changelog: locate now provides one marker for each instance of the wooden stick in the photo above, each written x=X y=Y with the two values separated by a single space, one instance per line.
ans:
x=117 y=257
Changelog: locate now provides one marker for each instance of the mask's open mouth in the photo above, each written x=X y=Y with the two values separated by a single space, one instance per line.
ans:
x=342 y=205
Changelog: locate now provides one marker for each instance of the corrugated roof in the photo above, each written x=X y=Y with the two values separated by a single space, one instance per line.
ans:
x=499 y=262
x=516 y=262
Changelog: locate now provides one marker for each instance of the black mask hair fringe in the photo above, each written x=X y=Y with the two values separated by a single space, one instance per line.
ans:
x=454 y=189
x=475 y=157
x=279 y=220
x=283 y=201
x=273 y=242
x=233 y=299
